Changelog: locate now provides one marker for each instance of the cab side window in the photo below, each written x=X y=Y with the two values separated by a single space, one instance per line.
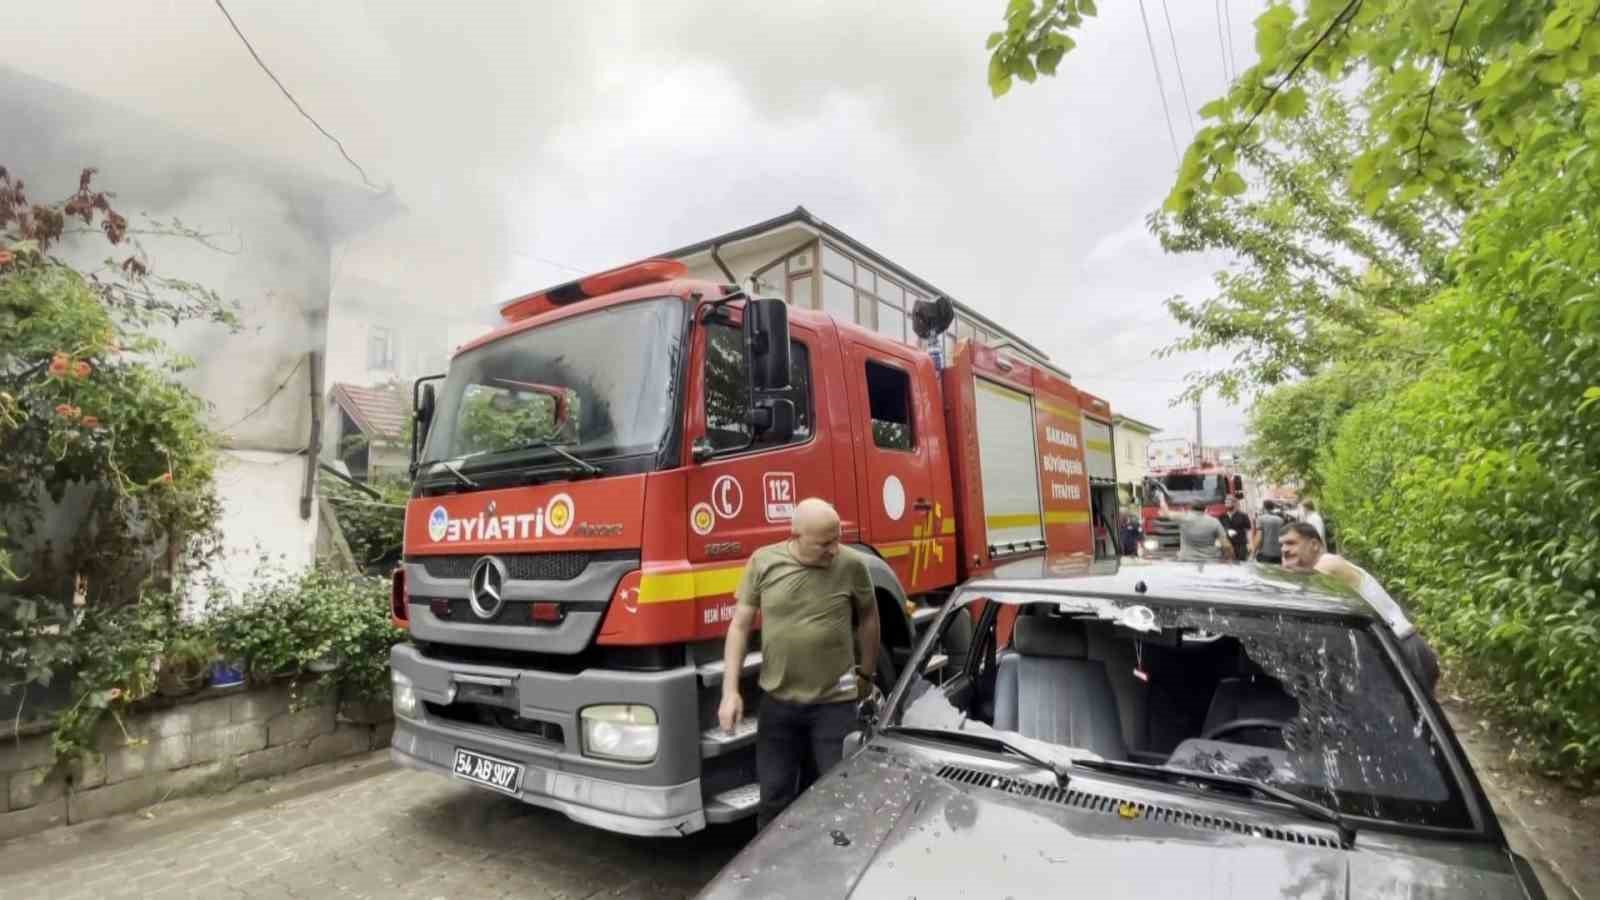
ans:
x=727 y=392
x=889 y=404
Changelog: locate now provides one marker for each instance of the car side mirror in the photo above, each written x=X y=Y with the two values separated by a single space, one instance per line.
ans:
x=766 y=335
x=702 y=450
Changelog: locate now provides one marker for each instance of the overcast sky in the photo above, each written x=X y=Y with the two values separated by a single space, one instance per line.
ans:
x=576 y=136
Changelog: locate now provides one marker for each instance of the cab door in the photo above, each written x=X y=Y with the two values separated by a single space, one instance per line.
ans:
x=742 y=496
x=897 y=433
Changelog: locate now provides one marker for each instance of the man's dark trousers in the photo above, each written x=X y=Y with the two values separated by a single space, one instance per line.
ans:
x=796 y=743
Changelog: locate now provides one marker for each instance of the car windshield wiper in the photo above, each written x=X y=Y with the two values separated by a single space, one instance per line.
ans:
x=1309 y=808
x=988 y=742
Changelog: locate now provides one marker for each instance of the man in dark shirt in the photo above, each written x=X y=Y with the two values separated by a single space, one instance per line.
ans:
x=1238 y=526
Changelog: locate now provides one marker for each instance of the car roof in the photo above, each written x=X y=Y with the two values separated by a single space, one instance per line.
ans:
x=1268 y=588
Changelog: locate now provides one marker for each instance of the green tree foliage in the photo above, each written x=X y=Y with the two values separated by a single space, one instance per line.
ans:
x=374 y=527
x=1443 y=395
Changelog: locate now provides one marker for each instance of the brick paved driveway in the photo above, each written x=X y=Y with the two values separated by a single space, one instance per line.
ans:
x=396 y=833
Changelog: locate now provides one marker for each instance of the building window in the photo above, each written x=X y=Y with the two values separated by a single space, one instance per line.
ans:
x=836 y=263
x=891 y=322
x=838 y=299
x=772 y=281
x=727 y=391
x=381 y=348
x=889 y=405
x=800 y=292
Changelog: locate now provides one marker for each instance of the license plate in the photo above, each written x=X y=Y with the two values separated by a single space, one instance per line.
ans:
x=496 y=774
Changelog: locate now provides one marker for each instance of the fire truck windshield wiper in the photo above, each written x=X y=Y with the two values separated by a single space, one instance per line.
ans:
x=449 y=465
x=582 y=465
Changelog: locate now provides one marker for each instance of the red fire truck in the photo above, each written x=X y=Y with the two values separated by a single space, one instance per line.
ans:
x=590 y=478
x=1181 y=474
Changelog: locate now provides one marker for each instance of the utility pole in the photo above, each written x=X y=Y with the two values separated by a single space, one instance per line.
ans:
x=1199 y=436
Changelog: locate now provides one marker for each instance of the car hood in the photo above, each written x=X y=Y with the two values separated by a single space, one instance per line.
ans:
x=885 y=824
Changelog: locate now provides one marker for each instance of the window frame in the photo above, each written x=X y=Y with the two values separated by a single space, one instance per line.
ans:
x=389 y=338
x=911 y=415
x=750 y=446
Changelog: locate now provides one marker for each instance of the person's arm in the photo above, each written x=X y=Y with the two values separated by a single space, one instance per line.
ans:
x=1336 y=567
x=732 y=708
x=1255 y=538
x=868 y=628
x=748 y=597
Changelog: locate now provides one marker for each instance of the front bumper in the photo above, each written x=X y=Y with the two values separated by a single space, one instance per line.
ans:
x=658 y=798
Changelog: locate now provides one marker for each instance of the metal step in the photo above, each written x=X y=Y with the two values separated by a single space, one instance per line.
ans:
x=715 y=742
x=711 y=672
x=735 y=804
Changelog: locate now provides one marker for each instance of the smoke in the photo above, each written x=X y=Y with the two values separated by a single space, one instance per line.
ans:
x=525 y=141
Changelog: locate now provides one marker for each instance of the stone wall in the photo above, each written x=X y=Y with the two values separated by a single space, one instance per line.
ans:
x=210 y=741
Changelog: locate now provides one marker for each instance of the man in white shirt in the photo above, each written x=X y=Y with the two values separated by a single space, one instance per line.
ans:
x=1310 y=516
x=1304 y=551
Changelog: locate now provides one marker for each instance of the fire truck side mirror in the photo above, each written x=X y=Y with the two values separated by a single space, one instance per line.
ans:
x=773 y=418
x=766 y=335
x=1238 y=485
x=423 y=401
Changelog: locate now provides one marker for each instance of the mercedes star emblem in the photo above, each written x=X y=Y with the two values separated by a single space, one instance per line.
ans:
x=487 y=582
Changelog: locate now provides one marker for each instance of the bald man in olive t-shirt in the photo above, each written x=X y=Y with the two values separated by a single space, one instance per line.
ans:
x=815 y=664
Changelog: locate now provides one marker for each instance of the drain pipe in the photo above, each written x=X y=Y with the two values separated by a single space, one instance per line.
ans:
x=313 y=446
x=723 y=266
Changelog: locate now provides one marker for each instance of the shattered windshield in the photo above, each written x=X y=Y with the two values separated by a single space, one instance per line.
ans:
x=596 y=384
x=1312 y=704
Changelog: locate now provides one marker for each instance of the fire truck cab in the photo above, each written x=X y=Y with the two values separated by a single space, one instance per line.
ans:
x=590 y=478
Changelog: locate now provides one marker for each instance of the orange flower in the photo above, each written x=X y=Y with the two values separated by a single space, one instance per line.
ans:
x=115 y=693
x=81 y=369
x=90 y=422
x=6 y=257
x=166 y=478
x=58 y=367
x=66 y=410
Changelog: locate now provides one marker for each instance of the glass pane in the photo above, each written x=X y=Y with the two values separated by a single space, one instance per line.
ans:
x=864 y=310
x=965 y=329
x=893 y=293
x=891 y=322
x=838 y=299
x=771 y=282
x=836 y=263
x=800 y=292
x=799 y=392
x=800 y=262
x=866 y=277
x=889 y=405
x=727 y=389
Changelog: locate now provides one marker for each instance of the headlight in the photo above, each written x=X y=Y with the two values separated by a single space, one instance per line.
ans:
x=628 y=733
x=1152 y=544
x=405 y=698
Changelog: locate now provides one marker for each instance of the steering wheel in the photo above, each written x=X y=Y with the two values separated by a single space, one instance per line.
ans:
x=1233 y=725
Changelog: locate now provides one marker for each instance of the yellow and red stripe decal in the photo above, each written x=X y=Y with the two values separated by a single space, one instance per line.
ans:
x=689 y=584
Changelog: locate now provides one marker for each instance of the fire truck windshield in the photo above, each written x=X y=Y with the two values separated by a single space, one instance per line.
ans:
x=1185 y=489
x=594 y=385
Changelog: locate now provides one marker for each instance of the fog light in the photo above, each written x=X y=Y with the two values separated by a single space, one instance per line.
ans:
x=628 y=733
x=405 y=698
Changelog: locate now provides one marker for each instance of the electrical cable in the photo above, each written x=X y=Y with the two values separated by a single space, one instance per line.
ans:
x=275 y=392
x=1161 y=86
x=1188 y=108
x=262 y=63
x=1222 y=47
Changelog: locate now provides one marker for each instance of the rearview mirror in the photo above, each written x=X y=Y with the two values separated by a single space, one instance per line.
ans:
x=766 y=335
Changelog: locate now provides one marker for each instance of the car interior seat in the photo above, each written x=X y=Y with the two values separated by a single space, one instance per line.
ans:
x=1048 y=688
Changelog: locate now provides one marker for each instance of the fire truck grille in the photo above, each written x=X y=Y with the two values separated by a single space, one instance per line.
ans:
x=563 y=566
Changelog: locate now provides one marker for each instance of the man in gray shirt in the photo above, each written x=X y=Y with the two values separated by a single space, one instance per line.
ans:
x=1200 y=537
x=1264 y=539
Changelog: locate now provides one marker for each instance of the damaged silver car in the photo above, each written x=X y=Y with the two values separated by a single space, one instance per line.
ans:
x=1163 y=730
